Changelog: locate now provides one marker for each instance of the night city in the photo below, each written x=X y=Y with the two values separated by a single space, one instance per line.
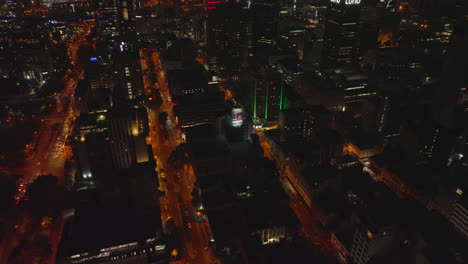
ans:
x=234 y=131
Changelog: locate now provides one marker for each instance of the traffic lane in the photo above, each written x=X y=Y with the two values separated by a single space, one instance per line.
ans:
x=173 y=185
x=41 y=162
x=308 y=216
x=162 y=152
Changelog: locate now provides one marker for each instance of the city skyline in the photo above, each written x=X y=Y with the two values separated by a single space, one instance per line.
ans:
x=209 y=132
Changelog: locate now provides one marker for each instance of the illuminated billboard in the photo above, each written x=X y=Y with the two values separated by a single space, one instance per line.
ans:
x=237 y=116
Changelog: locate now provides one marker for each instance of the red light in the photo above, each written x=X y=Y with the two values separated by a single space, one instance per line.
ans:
x=211 y=7
x=214 y=2
x=174 y=104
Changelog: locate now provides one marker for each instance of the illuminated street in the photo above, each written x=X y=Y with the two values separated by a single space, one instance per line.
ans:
x=309 y=216
x=234 y=132
x=196 y=236
x=49 y=157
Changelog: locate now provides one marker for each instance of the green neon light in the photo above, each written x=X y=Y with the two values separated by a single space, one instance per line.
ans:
x=255 y=99
x=286 y=103
x=281 y=95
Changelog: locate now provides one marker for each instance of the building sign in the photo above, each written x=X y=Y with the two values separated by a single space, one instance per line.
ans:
x=237 y=116
x=347 y=2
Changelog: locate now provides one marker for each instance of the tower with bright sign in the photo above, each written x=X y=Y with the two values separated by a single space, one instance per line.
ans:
x=342 y=32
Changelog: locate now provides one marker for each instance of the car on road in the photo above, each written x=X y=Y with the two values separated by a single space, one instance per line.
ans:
x=21 y=192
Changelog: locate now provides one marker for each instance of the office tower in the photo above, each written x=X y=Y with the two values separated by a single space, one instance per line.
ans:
x=69 y=8
x=105 y=141
x=192 y=79
x=342 y=33
x=375 y=226
x=371 y=19
x=304 y=23
x=265 y=14
x=99 y=73
x=227 y=36
x=24 y=50
x=355 y=86
x=453 y=78
x=312 y=48
x=305 y=122
x=109 y=21
x=115 y=24
x=293 y=73
x=96 y=236
x=128 y=78
x=91 y=149
x=93 y=160
x=91 y=98
x=200 y=108
x=426 y=142
x=433 y=7
x=128 y=128
x=268 y=94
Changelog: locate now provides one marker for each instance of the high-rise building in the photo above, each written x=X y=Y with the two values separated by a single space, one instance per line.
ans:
x=432 y=7
x=453 y=78
x=311 y=50
x=371 y=18
x=24 y=52
x=342 y=32
x=355 y=86
x=200 y=108
x=459 y=216
x=268 y=94
x=128 y=77
x=228 y=26
x=109 y=140
x=68 y=8
x=115 y=24
x=128 y=129
x=93 y=159
x=373 y=229
x=426 y=142
x=305 y=122
x=192 y=79
x=312 y=14
x=265 y=15
x=91 y=149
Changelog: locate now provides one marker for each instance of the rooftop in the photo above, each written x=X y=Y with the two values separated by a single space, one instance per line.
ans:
x=94 y=228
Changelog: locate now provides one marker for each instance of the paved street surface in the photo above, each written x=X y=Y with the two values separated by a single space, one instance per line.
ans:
x=309 y=216
x=177 y=201
x=48 y=158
